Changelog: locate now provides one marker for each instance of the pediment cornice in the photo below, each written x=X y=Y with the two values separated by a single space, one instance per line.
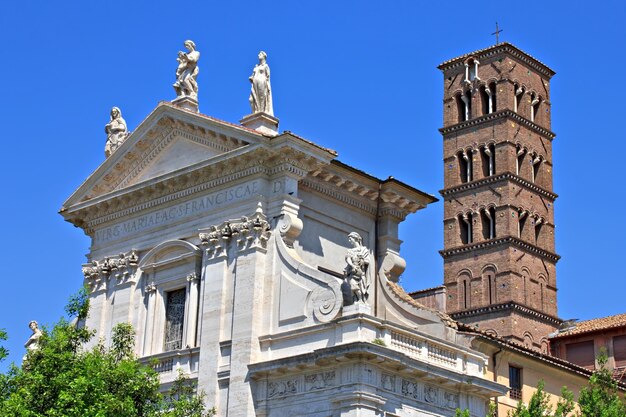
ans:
x=233 y=166
x=153 y=135
x=367 y=193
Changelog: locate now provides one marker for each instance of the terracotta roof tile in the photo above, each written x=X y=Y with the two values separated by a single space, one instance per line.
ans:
x=594 y=325
x=401 y=294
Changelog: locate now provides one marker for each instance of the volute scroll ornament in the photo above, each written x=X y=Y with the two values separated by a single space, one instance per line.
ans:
x=290 y=227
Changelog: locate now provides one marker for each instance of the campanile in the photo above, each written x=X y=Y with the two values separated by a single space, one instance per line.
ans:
x=499 y=255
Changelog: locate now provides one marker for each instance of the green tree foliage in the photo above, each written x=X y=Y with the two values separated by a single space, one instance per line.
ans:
x=600 y=397
x=539 y=404
x=182 y=401
x=463 y=413
x=3 y=351
x=61 y=379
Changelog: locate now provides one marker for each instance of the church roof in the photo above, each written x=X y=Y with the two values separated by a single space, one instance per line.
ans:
x=594 y=325
x=523 y=350
x=503 y=47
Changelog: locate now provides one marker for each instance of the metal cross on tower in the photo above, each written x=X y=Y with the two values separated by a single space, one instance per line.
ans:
x=497 y=33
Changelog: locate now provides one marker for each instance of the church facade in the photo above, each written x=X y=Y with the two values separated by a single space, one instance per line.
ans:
x=266 y=270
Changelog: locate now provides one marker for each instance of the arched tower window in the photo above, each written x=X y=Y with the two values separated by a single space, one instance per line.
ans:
x=485 y=98
x=536 y=161
x=465 y=165
x=489 y=281
x=542 y=292
x=465 y=227
x=525 y=278
x=464 y=290
x=528 y=340
x=488 y=159
x=488 y=97
x=519 y=94
x=471 y=70
x=488 y=220
x=521 y=155
x=523 y=217
x=461 y=108
x=538 y=226
x=535 y=102
x=466 y=98
x=493 y=104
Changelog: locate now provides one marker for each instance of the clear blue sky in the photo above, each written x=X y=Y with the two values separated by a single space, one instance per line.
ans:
x=356 y=76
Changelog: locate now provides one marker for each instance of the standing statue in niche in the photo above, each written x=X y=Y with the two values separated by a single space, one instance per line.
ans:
x=116 y=132
x=355 y=272
x=261 y=91
x=32 y=344
x=186 y=84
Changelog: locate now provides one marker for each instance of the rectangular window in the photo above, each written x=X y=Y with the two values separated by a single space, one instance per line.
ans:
x=619 y=351
x=174 y=319
x=515 y=383
x=581 y=353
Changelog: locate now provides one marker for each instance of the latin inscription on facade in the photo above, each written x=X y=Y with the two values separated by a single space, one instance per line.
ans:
x=177 y=212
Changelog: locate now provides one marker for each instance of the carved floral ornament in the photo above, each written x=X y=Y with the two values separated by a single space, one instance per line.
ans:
x=243 y=233
x=121 y=267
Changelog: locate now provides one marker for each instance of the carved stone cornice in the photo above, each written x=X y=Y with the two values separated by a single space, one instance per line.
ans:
x=153 y=142
x=501 y=114
x=503 y=241
x=258 y=161
x=505 y=176
x=362 y=191
x=527 y=311
x=122 y=267
x=239 y=234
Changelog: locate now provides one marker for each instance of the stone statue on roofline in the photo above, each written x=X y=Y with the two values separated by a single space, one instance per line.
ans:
x=261 y=89
x=32 y=344
x=355 y=272
x=186 y=84
x=116 y=131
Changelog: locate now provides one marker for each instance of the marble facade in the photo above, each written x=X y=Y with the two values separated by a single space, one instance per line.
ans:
x=253 y=228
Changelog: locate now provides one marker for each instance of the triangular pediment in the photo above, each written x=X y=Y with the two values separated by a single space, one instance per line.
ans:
x=169 y=140
x=179 y=152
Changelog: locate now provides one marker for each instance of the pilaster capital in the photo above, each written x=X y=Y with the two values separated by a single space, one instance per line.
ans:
x=122 y=267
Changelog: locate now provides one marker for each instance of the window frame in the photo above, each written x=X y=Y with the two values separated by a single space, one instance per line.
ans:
x=515 y=393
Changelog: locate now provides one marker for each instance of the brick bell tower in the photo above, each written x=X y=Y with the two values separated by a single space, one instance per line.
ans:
x=499 y=256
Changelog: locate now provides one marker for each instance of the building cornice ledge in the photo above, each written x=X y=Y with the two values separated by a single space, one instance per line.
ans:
x=494 y=50
x=502 y=114
x=506 y=306
x=496 y=178
x=508 y=240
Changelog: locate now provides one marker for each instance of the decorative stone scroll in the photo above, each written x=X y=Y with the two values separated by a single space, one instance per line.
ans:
x=242 y=234
x=122 y=267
